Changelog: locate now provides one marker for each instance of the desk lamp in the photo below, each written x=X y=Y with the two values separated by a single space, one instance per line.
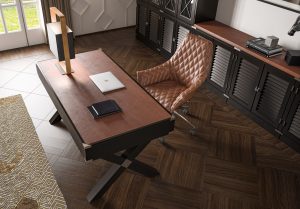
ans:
x=293 y=56
x=295 y=27
x=61 y=43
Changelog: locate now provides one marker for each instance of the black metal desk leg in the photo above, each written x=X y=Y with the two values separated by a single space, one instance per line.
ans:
x=103 y=185
x=55 y=118
x=121 y=163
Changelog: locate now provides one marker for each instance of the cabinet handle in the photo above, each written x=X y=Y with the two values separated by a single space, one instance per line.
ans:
x=226 y=96
x=284 y=123
x=279 y=132
x=237 y=49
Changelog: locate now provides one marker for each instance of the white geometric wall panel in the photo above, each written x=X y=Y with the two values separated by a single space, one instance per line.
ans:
x=89 y=16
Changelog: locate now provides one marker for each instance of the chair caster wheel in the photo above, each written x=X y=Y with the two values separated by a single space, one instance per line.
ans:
x=193 y=132
x=185 y=111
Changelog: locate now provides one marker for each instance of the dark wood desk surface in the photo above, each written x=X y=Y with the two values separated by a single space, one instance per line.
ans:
x=77 y=91
x=238 y=39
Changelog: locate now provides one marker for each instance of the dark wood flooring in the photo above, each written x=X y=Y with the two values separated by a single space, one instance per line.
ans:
x=231 y=163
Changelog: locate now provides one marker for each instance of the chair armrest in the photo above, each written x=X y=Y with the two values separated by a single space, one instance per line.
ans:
x=154 y=75
x=187 y=94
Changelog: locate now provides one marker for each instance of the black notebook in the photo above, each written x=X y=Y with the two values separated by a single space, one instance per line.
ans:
x=104 y=108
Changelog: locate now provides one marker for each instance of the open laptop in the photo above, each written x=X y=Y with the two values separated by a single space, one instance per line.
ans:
x=106 y=82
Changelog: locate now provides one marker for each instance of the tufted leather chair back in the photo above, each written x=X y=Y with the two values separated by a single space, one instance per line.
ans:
x=191 y=63
x=174 y=82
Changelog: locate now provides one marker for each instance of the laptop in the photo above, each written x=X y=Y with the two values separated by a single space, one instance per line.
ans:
x=106 y=82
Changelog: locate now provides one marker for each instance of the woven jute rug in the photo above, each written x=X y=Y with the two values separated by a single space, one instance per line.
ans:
x=26 y=179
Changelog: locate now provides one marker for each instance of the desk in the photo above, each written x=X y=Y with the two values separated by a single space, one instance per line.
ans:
x=127 y=133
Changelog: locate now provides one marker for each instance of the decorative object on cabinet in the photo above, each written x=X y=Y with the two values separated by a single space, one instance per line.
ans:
x=271 y=41
x=174 y=82
x=259 y=44
x=293 y=56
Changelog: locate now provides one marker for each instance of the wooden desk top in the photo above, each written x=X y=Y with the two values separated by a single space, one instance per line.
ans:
x=238 y=39
x=77 y=91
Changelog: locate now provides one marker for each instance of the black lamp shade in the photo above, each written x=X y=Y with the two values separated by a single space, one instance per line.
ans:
x=56 y=43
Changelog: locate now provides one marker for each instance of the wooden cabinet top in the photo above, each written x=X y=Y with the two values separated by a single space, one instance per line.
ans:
x=238 y=40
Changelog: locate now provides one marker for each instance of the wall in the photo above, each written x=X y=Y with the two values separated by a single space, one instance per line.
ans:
x=89 y=16
x=260 y=20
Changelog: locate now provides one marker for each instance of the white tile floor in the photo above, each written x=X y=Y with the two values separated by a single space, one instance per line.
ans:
x=20 y=77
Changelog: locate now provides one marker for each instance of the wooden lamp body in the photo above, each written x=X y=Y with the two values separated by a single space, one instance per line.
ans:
x=64 y=66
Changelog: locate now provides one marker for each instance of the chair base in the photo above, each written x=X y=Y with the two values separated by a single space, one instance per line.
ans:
x=184 y=109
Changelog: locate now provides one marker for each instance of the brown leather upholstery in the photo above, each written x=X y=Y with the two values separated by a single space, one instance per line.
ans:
x=174 y=82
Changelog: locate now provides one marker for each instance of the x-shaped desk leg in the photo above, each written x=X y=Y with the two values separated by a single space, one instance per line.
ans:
x=126 y=160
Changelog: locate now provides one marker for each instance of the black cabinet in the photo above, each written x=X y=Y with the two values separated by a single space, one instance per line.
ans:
x=272 y=97
x=163 y=24
x=267 y=95
x=245 y=79
x=193 y=11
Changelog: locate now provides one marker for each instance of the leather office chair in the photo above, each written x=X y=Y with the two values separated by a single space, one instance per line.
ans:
x=174 y=82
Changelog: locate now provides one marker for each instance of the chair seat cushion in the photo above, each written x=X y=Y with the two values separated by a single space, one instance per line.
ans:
x=165 y=92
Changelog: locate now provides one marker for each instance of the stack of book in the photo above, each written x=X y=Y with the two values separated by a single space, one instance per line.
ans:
x=259 y=45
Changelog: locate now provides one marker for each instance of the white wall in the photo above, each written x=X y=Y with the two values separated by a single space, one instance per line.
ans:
x=89 y=16
x=260 y=20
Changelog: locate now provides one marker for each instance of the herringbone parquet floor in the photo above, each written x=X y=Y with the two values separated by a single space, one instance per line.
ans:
x=231 y=163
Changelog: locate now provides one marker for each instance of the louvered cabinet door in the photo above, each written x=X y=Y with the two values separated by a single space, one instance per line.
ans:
x=181 y=34
x=154 y=32
x=291 y=129
x=274 y=91
x=170 y=6
x=186 y=10
x=221 y=68
x=167 y=46
x=246 y=77
x=142 y=22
